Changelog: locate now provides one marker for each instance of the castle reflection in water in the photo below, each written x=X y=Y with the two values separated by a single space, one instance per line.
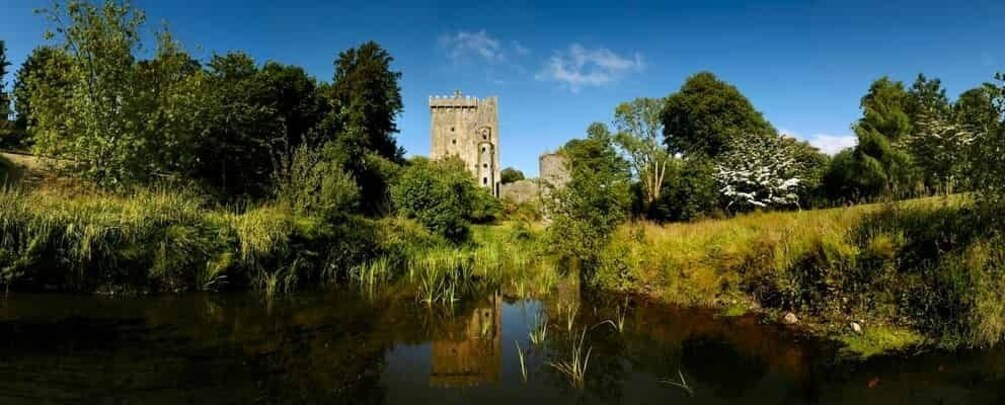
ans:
x=469 y=351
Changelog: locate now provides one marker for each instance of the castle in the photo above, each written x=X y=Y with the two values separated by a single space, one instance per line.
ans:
x=468 y=127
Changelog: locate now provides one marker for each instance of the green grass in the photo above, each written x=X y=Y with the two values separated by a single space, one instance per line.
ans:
x=934 y=267
x=878 y=339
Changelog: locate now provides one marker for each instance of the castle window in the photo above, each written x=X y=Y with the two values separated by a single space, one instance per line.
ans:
x=485 y=137
x=451 y=129
x=483 y=149
x=485 y=180
x=485 y=165
x=454 y=141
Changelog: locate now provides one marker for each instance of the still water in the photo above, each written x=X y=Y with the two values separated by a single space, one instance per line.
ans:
x=343 y=347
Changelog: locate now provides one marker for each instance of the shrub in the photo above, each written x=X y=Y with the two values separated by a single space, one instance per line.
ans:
x=440 y=194
x=314 y=183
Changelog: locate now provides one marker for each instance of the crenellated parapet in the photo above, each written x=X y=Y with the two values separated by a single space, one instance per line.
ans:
x=467 y=127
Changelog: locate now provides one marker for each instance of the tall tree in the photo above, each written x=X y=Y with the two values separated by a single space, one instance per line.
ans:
x=596 y=198
x=706 y=114
x=5 y=112
x=639 y=126
x=927 y=99
x=117 y=119
x=44 y=78
x=362 y=104
x=975 y=109
x=241 y=134
x=988 y=162
x=881 y=133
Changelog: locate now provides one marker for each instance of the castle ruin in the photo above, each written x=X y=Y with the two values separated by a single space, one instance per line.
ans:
x=468 y=127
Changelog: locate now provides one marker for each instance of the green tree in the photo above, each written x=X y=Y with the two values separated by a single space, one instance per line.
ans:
x=706 y=114
x=44 y=77
x=118 y=120
x=313 y=184
x=639 y=126
x=510 y=175
x=440 y=194
x=927 y=99
x=597 y=197
x=690 y=192
x=988 y=163
x=5 y=112
x=880 y=163
x=362 y=104
x=975 y=110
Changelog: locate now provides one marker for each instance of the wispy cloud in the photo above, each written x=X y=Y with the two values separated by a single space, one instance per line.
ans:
x=579 y=67
x=519 y=49
x=465 y=45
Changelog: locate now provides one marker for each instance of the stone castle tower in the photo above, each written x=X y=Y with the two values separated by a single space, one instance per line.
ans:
x=468 y=127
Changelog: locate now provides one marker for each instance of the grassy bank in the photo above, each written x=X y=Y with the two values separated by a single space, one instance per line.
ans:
x=930 y=269
x=149 y=241
x=925 y=271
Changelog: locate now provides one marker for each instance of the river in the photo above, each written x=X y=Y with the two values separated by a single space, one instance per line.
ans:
x=386 y=347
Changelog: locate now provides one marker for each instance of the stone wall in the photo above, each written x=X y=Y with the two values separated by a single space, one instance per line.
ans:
x=520 y=191
x=553 y=169
x=468 y=127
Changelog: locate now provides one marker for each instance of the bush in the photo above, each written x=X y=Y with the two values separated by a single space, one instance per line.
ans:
x=441 y=195
x=315 y=184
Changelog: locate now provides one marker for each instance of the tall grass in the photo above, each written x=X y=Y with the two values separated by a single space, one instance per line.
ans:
x=933 y=265
x=154 y=240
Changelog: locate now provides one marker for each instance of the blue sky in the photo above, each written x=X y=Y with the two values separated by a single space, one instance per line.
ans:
x=558 y=66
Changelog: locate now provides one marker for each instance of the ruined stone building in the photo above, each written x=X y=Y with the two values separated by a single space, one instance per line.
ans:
x=553 y=173
x=468 y=127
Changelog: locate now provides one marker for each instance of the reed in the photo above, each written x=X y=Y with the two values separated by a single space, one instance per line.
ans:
x=574 y=367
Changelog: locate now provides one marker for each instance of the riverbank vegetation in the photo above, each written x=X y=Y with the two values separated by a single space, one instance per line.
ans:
x=180 y=174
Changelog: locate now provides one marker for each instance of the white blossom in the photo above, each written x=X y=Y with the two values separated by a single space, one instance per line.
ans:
x=758 y=172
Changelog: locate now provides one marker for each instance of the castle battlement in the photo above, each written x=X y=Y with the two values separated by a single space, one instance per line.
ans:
x=459 y=100
x=467 y=127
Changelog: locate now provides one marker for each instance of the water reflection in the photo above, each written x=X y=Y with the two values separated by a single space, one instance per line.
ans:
x=469 y=353
x=386 y=348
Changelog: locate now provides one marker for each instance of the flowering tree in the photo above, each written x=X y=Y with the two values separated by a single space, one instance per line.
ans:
x=758 y=171
x=939 y=146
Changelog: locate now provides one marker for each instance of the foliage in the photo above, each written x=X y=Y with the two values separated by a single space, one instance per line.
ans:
x=989 y=161
x=880 y=164
x=242 y=136
x=638 y=124
x=362 y=104
x=44 y=77
x=119 y=121
x=510 y=175
x=442 y=196
x=690 y=193
x=596 y=199
x=706 y=114
x=5 y=112
x=312 y=183
x=940 y=148
x=758 y=172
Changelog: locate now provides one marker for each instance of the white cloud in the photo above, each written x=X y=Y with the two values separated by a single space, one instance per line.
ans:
x=464 y=45
x=832 y=144
x=580 y=67
x=829 y=144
